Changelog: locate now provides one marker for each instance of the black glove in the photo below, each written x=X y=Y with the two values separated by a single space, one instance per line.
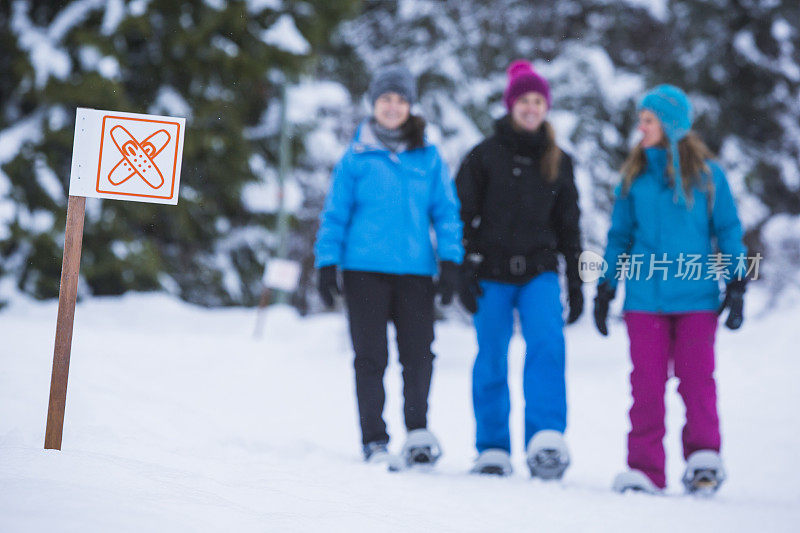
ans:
x=605 y=293
x=575 y=300
x=448 y=281
x=328 y=284
x=469 y=289
x=734 y=299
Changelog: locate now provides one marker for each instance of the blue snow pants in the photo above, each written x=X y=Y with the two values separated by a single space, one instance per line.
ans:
x=538 y=303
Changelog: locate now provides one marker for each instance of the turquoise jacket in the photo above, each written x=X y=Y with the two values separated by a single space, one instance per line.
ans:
x=381 y=206
x=672 y=243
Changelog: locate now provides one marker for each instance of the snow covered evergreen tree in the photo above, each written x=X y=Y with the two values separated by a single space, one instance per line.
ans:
x=739 y=61
x=219 y=64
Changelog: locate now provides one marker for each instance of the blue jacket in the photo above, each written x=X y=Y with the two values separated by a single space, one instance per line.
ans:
x=378 y=213
x=648 y=221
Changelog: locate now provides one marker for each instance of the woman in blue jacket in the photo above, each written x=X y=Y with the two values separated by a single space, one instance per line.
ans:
x=386 y=192
x=673 y=212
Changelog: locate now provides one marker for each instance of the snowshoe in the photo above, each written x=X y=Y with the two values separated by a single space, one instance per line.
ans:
x=704 y=473
x=634 y=481
x=548 y=456
x=494 y=461
x=421 y=448
x=376 y=451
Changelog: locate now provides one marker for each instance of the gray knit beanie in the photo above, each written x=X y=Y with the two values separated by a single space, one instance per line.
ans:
x=393 y=79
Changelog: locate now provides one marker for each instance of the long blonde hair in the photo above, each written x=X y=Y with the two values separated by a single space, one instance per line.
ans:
x=693 y=154
x=551 y=160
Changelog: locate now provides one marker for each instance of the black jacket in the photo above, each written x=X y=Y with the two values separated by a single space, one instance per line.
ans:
x=513 y=216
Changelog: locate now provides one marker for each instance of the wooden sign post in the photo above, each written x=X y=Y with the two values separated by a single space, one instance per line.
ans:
x=122 y=156
x=67 y=294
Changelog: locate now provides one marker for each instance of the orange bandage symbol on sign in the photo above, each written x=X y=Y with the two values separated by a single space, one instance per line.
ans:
x=137 y=158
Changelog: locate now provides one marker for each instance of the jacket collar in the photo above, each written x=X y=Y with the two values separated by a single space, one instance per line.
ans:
x=365 y=140
x=656 y=161
x=520 y=142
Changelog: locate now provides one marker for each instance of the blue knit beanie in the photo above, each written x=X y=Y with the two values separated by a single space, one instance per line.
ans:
x=393 y=79
x=672 y=107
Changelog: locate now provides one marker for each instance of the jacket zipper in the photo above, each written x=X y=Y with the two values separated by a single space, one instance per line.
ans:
x=404 y=195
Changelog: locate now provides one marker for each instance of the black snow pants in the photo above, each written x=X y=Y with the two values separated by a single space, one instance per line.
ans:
x=372 y=300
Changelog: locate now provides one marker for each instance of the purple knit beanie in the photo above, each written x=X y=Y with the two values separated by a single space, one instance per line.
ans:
x=522 y=79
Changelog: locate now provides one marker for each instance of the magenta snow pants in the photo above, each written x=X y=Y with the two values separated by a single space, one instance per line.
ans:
x=688 y=340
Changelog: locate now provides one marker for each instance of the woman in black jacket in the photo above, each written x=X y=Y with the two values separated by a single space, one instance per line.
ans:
x=520 y=210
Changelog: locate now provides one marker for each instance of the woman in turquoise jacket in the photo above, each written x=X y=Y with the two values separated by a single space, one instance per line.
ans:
x=675 y=237
x=387 y=191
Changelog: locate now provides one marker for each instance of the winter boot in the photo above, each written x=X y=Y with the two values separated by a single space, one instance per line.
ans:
x=634 y=481
x=548 y=456
x=704 y=473
x=376 y=451
x=494 y=461
x=421 y=448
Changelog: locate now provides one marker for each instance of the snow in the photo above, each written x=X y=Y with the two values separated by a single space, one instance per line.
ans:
x=36 y=221
x=94 y=209
x=327 y=147
x=178 y=419
x=46 y=59
x=658 y=9
x=465 y=135
x=264 y=196
x=283 y=34
x=269 y=124
x=43 y=44
x=744 y=43
x=115 y=13
x=309 y=97
x=120 y=249
x=48 y=181
x=7 y=209
x=57 y=117
x=171 y=103
x=781 y=237
x=218 y=5
x=408 y=9
x=257 y=6
x=12 y=139
x=737 y=165
x=790 y=172
x=581 y=66
x=137 y=8
x=782 y=30
x=72 y=15
x=230 y=48
x=169 y=284
x=92 y=59
x=230 y=282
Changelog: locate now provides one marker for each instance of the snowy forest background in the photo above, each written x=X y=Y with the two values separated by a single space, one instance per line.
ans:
x=222 y=66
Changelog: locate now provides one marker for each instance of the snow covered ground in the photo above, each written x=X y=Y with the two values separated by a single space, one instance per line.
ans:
x=178 y=419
